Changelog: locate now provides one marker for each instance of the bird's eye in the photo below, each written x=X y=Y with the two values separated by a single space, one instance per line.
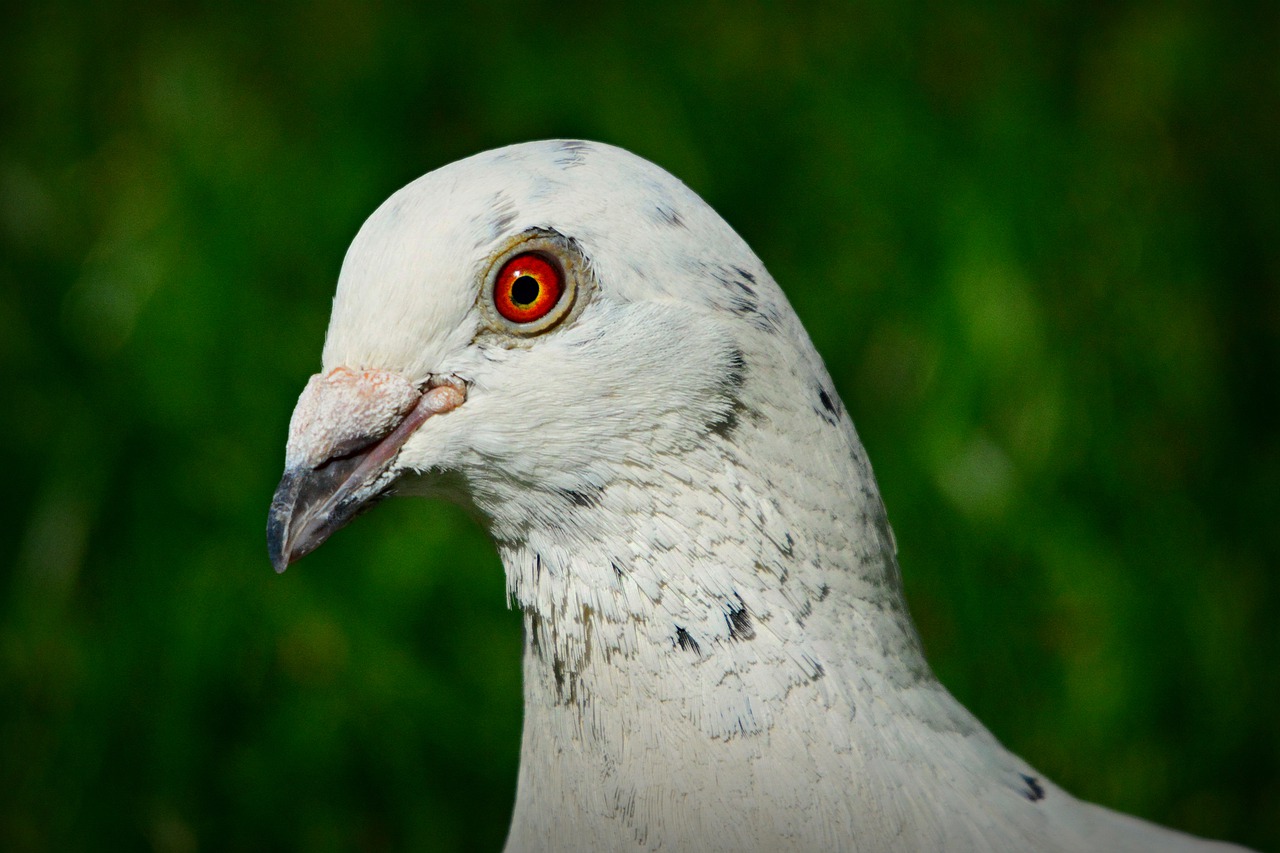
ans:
x=528 y=287
x=532 y=284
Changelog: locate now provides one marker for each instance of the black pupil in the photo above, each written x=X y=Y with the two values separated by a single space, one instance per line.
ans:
x=524 y=290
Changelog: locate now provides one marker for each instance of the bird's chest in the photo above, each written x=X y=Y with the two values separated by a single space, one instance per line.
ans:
x=620 y=757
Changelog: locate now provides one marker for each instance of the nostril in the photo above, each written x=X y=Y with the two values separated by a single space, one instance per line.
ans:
x=437 y=380
x=442 y=398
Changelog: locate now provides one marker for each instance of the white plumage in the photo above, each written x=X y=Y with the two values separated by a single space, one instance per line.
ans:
x=718 y=653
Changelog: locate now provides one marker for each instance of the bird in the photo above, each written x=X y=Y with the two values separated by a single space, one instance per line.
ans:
x=568 y=341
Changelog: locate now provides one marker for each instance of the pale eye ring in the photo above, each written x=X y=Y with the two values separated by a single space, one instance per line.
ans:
x=533 y=284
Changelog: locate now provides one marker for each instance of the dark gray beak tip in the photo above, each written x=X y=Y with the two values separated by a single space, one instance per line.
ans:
x=278 y=520
x=309 y=505
x=275 y=545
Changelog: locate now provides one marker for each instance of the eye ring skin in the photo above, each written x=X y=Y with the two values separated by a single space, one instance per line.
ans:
x=557 y=250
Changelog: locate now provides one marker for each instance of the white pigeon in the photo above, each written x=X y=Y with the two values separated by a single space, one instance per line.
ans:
x=718 y=654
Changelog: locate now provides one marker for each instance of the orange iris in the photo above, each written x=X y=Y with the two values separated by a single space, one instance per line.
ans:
x=527 y=288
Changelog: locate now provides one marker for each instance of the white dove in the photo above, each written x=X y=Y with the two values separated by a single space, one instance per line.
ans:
x=718 y=653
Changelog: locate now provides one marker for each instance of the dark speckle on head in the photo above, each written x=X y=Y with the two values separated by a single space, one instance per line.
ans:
x=741 y=283
x=686 y=642
x=739 y=620
x=502 y=213
x=573 y=153
x=738 y=293
x=1034 y=790
x=667 y=215
x=503 y=221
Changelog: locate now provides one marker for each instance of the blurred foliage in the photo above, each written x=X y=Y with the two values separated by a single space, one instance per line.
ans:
x=1038 y=245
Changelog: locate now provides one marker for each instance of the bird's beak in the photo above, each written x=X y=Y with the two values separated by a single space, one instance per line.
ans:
x=345 y=434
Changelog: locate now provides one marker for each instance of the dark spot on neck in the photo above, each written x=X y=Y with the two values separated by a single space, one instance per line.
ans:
x=686 y=642
x=557 y=669
x=1034 y=791
x=731 y=382
x=533 y=630
x=735 y=371
x=726 y=424
x=805 y=611
x=739 y=621
x=583 y=497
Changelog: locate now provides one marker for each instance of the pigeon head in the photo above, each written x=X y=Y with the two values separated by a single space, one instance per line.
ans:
x=718 y=654
x=514 y=330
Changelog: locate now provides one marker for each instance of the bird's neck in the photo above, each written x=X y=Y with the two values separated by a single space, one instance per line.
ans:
x=728 y=580
x=663 y=660
x=701 y=612
x=746 y=557
x=725 y=644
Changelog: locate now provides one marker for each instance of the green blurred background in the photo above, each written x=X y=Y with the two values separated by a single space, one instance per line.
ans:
x=1039 y=247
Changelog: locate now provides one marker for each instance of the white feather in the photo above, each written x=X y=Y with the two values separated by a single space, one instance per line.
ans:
x=719 y=656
